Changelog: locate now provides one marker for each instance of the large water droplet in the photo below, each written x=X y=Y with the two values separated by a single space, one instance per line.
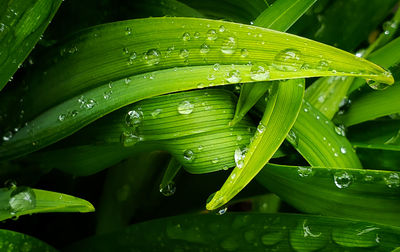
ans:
x=212 y=34
x=272 y=238
x=233 y=76
x=377 y=85
x=188 y=155
x=134 y=117
x=129 y=138
x=169 y=189
x=259 y=72
x=240 y=154
x=307 y=237
x=393 y=180
x=229 y=45
x=152 y=57
x=22 y=199
x=288 y=60
x=356 y=235
x=342 y=179
x=185 y=108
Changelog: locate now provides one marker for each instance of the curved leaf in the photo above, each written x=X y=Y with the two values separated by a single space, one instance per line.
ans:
x=18 y=201
x=21 y=25
x=14 y=241
x=352 y=193
x=279 y=116
x=246 y=232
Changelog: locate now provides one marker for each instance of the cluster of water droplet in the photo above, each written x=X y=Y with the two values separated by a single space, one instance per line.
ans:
x=132 y=121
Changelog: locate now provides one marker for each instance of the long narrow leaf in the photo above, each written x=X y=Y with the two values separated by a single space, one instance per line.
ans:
x=14 y=241
x=279 y=116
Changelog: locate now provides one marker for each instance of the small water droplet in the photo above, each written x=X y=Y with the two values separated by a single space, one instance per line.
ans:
x=292 y=138
x=186 y=36
x=233 y=76
x=244 y=53
x=215 y=160
x=323 y=65
x=259 y=72
x=342 y=179
x=133 y=118
x=393 y=180
x=239 y=156
x=216 y=66
x=212 y=34
x=11 y=184
x=128 y=31
x=222 y=210
x=188 y=155
x=340 y=130
x=272 y=238
x=196 y=35
x=343 y=150
x=313 y=235
x=221 y=28
x=7 y=136
x=229 y=45
x=169 y=189
x=184 y=53
x=204 y=48
x=152 y=57
x=377 y=85
x=185 y=108
x=288 y=60
x=61 y=117
x=155 y=113
x=129 y=138
x=304 y=171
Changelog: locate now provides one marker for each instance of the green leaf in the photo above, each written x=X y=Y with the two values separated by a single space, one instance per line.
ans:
x=167 y=183
x=246 y=232
x=14 y=241
x=17 y=201
x=352 y=193
x=280 y=17
x=279 y=116
x=97 y=46
x=21 y=25
x=372 y=105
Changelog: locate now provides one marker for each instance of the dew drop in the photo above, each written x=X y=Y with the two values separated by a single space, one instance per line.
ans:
x=152 y=57
x=259 y=72
x=288 y=60
x=22 y=199
x=340 y=130
x=216 y=67
x=313 y=237
x=292 y=138
x=186 y=36
x=356 y=235
x=169 y=189
x=244 y=53
x=222 y=210
x=204 y=48
x=229 y=45
x=184 y=53
x=221 y=28
x=156 y=113
x=239 y=156
x=304 y=171
x=188 y=155
x=129 y=138
x=212 y=34
x=185 y=108
x=233 y=76
x=342 y=179
x=7 y=136
x=133 y=118
x=343 y=150
x=272 y=238
x=323 y=65
x=128 y=31
x=61 y=117
x=393 y=180
x=196 y=35
x=215 y=160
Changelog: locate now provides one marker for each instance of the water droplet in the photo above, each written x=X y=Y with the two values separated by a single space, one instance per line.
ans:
x=305 y=235
x=107 y=94
x=196 y=35
x=233 y=76
x=288 y=60
x=342 y=179
x=239 y=157
x=212 y=34
x=393 y=180
x=185 y=108
x=343 y=150
x=244 y=53
x=22 y=199
x=125 y=50
x=323 y=65
x=259 y=72
x=188 y=155
x=222 y=210
x=229 y=45
x=304 y=171
x=215 y=160
x=128 y=31
x=129 y=138
x=340 y=130
x=86 y=103
x=184 y=53
x=186 y=36
x=134 y=117
x=152 y=57
x=204 y=48
x=292 y=138
x=356 y=235
x=155 y=113
x=221 y=28
x=230 y=244
x=216 y=66
x=61 y=117
x=169 y=189
x=7 y=136
x=377 y=85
